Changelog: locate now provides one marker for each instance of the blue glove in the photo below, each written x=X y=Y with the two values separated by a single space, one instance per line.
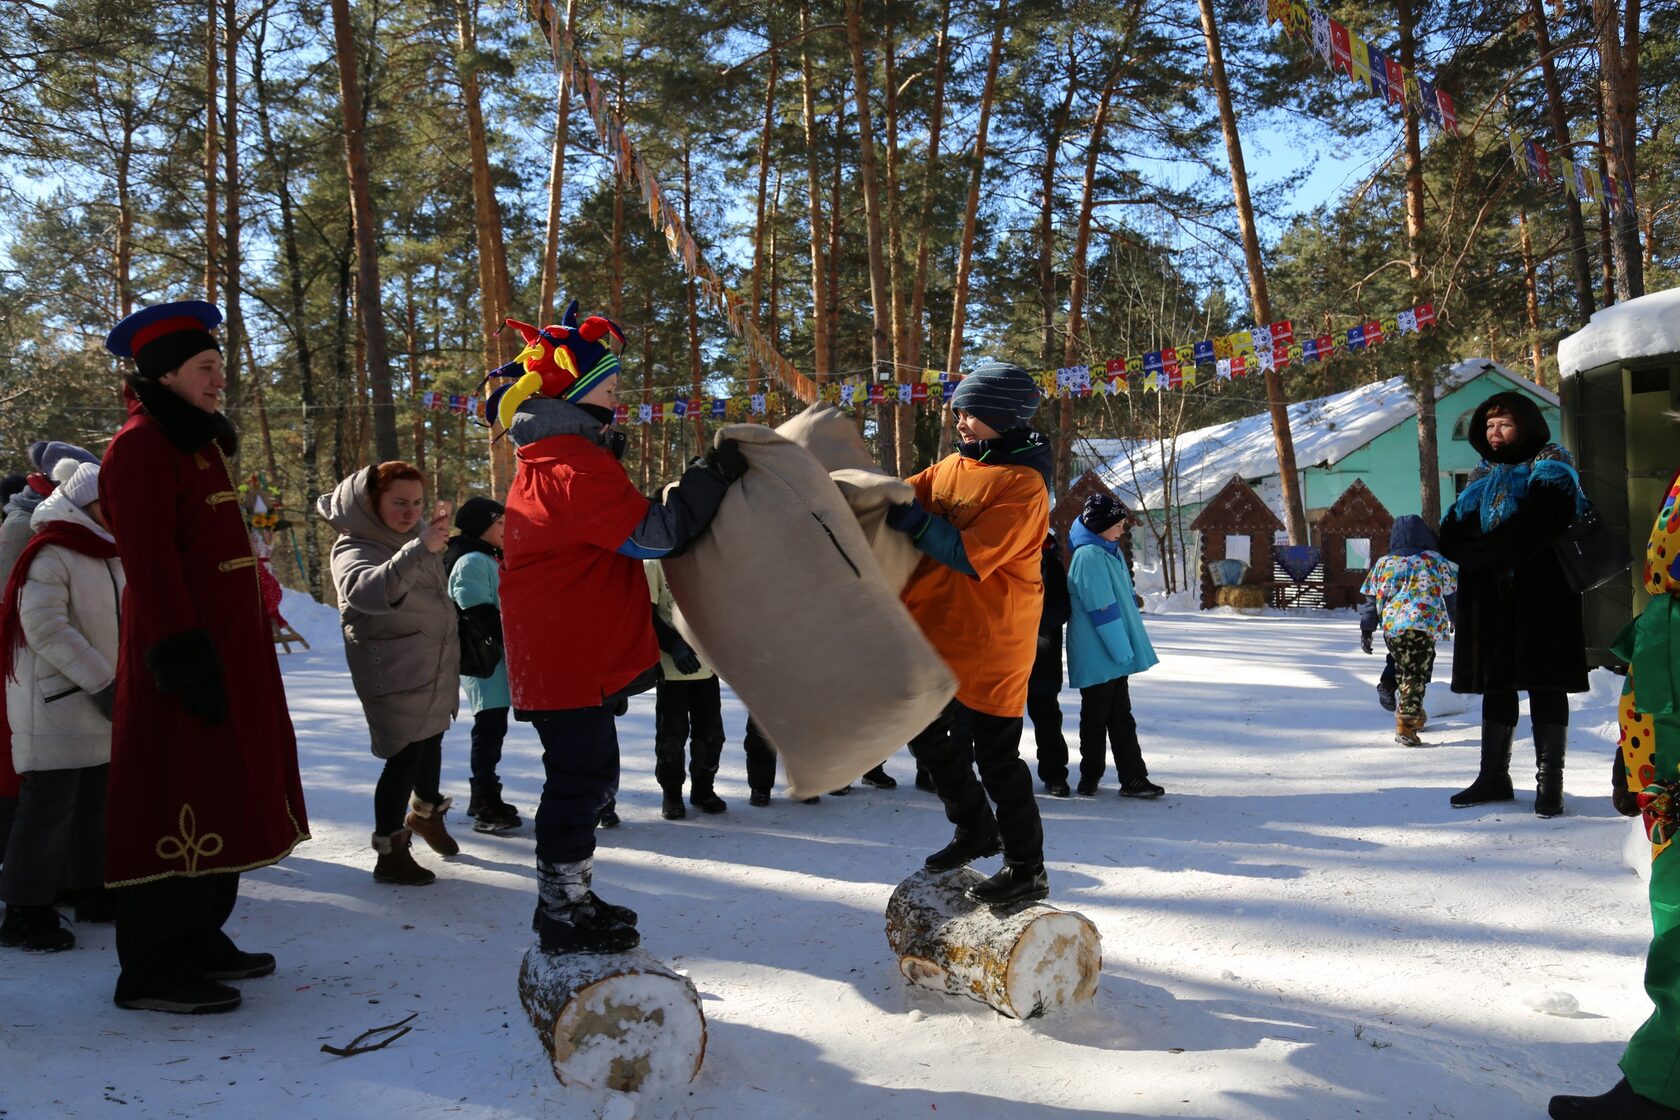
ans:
x=909 y=518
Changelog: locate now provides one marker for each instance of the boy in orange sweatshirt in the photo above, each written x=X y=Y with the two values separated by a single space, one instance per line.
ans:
x=980 y=516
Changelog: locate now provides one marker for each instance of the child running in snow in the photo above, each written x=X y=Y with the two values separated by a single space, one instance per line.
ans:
x=981 y=516
x=1409 y=588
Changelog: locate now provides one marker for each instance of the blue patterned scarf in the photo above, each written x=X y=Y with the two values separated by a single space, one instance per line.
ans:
x=1497 y=489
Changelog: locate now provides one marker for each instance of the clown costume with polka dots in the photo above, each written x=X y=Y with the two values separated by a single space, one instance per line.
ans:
x=1650 y=744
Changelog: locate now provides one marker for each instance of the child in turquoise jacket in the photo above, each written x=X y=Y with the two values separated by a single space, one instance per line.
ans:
x=1106 y=646
x=473 y=561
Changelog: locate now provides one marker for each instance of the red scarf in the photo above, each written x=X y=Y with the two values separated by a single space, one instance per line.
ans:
x=77 y=538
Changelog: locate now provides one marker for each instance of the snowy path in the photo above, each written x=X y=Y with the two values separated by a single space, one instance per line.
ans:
x=1302 y=929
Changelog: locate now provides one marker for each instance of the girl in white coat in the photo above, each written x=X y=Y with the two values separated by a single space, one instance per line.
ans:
x=58 y=649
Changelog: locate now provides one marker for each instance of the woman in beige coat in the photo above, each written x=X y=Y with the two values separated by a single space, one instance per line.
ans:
x=60 y=642
x=403 y=647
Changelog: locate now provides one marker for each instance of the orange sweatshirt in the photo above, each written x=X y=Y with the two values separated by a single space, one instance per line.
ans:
x=985 y=628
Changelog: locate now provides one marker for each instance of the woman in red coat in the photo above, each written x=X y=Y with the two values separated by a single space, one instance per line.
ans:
x=204 y=777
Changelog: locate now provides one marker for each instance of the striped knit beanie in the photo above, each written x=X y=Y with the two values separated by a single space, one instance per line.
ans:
x=1000 y=395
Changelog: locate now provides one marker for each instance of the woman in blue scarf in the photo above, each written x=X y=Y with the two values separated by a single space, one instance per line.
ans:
x=1519 y=625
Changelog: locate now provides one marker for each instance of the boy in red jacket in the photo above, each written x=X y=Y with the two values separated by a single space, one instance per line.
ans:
x=577 y=626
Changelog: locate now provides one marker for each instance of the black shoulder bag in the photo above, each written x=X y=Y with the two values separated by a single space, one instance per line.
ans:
x=1590 y=552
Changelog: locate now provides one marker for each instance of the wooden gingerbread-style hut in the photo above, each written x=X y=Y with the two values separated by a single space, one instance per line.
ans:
x=1353 y=534
x=1236 y=525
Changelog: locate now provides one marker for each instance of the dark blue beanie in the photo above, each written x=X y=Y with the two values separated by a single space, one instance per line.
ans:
x=1102 y=512
x=999 y=395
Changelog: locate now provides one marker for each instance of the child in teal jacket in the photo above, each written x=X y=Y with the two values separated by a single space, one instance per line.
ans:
x=1106 y=646
x=473 y=560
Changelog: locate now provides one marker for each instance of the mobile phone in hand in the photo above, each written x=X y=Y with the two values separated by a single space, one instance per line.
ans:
x=440 y=512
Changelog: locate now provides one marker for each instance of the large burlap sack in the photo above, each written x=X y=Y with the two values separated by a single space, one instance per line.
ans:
x=785 y=599
x=833 y=437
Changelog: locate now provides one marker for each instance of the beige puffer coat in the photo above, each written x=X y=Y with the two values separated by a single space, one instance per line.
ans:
x=69 y=609
x=400 y=634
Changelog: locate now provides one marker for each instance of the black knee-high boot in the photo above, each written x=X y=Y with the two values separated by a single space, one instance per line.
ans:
x=1493 y=782
x=1550 y=741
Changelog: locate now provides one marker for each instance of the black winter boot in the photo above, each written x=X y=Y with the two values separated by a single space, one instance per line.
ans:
x=571 y=919
x=1016 y=882
x=35 y=929
x=1624 y=799
x=1550 y=741
x=671 y=804
x=1620 y=1103
x=702 y=796
x=965 y=847
x=878 y=778
x=1493 y=781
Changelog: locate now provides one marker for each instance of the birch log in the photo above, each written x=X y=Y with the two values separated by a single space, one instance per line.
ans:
x=619 y=1021
x=1022 y=961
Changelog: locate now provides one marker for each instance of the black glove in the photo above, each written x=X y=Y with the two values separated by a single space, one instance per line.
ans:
x=684 y=658
x=727 y=460
x=105 y=699
x=1365 y=642
x=908 y=517
x=187 y=665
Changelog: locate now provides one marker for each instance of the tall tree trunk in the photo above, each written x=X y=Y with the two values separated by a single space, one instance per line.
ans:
x=1619 y=70
x=212 y=112
x=235 y=320
x=1057 y=130
x=930 y=173
x=1077 y=281
x=411 y=348
x=262 y=412
x=495 y=286
x=1421 y=379
x=368 y=302
x=125 y=210
x=837 y=222
x=697 y=389
x=298 y=325
x=904 y=415
x=880 y=297
x=821 y=323
x=1580 y=263
x=556 y=181
x=753 y=371
x=971 y=211
x=1531 y=290
x=343 y=375
x=1294 y=510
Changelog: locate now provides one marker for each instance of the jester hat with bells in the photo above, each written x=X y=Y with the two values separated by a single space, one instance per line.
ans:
x=563 y=362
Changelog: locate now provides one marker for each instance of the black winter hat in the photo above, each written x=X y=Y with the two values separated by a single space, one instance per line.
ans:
x=1103 y=512
x=998 y=394
x=1533 y=432
x=476 y=515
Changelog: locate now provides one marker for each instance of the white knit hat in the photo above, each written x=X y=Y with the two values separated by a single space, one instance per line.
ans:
x=83 y=486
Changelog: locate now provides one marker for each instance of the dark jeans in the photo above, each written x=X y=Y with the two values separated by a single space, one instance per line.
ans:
x=489 y=729
x=415 y=769
x=580 y=771
x=761 y=758
x=685 y=710
x=58 y=836
x=952 y=747
x=170 y=930
x=1046 y=715
x=1545 y=705
x=1105 y=713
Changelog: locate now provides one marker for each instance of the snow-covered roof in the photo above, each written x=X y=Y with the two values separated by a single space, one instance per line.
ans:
x=1325 y=431
x=1639 y=328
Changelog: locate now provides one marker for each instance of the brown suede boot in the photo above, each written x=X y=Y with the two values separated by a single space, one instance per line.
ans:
x=396 y=863
x=426 y=822
x=1406 y=731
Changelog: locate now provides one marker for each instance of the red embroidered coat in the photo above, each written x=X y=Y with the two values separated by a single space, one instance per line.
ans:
x=187 y=798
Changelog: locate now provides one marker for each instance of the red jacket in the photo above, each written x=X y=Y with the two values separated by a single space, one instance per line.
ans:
x=187 y=798
x=575 y=615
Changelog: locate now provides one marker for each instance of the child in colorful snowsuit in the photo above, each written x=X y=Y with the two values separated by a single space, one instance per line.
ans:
x=1650 y=747
x=981 y=516
x=1409 y=588
x=473 y=561
x=689 y=707
x=575 y=613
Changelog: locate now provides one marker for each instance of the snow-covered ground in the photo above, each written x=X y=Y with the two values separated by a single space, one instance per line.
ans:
x=1302 y=929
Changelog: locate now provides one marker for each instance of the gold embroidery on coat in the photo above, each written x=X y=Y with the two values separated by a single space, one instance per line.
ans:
x=189 y=846
x=221 y=496
x=238 y=563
